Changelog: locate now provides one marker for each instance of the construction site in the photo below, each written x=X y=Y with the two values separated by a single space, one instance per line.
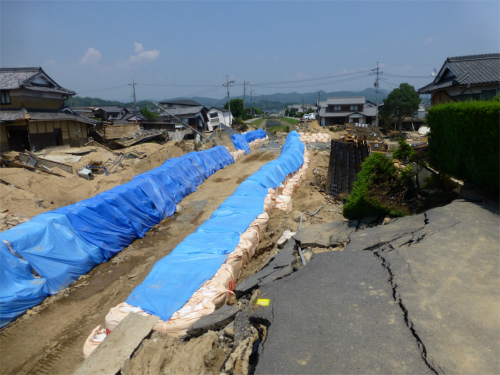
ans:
x=161 y=257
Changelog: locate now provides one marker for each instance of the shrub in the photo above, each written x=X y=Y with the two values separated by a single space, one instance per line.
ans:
x=379 y=190
x=405 y=152
x=464 y=141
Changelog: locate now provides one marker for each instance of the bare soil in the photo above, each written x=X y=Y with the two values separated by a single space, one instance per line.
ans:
x=49 y=338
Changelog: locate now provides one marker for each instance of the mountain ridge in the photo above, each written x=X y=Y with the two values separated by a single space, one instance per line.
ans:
x=276 y=101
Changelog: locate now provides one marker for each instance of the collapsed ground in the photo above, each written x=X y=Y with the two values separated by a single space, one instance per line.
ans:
x=49 y=338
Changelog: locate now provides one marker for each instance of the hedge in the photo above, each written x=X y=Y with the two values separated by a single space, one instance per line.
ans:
x=464 y=141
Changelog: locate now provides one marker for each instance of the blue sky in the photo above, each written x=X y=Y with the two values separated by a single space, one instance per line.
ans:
x=187 y=48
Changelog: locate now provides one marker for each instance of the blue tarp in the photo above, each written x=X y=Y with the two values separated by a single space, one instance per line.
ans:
x=175 y=278
x=64 y=244
x=241 y=141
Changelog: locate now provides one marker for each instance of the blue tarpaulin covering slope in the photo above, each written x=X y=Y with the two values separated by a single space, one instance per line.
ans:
x=64 y=244
x=175 y=278
x=241 y=141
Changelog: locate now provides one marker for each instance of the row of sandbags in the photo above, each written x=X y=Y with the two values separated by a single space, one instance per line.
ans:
x=46 y=254
x=215 y=291
x=239 y=153
x=315 y=137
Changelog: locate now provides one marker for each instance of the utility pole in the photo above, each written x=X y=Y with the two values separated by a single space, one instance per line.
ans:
x=244 y=92
x=135 y=102
x=228 y=84
x=378 y=73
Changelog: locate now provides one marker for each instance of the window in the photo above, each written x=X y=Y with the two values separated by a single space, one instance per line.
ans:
x=337 y=108
x=488 y=94
x=214 y=115
x=353 y=108
x=5 y=97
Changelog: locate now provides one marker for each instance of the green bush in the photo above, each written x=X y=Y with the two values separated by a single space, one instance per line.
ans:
x=405 y=152
x=464 y=141
x=379 y=190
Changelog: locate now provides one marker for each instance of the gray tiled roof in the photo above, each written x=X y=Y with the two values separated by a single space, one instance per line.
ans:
x=8 y=116
x=183 y=111
x=346 y=101
x=465 y=70
x=110 y=108
x=181 y=102
x=17 y=78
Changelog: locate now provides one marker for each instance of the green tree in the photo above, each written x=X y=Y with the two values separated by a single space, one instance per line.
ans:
x=401 y=103
x=151 y=116
x=237 y=108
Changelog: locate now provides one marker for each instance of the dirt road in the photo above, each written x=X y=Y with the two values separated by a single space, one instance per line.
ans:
x=50 y=337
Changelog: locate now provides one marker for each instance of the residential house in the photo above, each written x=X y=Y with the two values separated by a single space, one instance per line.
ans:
x=195 y=117
x=110 y=112
x=461 y=78
x=181 y=103
x=33 y=114
x=301 y=108
x=218 y=116
x=350 y=110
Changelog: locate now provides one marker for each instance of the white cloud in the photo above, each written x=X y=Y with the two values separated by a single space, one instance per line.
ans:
x=143 y=55
x=138 y=47
x=92 y=56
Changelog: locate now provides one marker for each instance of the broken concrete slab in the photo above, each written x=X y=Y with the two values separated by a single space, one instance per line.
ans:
x=377 y=236
x=112 y=353
x=278 y=266
x=449 y=283
x=213 y=322
x=336 y=316
x=326 y=235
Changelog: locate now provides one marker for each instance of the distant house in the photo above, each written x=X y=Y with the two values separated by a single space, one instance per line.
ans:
x=350 y=110
x=194 y=116
x=109 y=112
x=217 y=116
x=475 y=77
x=33 y=114
x=301 y=108
x=181 y=103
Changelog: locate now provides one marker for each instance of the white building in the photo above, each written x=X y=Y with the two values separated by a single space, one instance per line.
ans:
x=218 y=116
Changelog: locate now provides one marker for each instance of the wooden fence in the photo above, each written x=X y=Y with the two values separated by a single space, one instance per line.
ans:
x=345 y=163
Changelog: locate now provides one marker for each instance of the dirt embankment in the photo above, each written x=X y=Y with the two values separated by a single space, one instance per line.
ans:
x=25 y=193
x=49 y=338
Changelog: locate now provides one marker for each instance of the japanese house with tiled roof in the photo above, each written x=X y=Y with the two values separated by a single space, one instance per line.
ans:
x=33 y=114
x=349 y=110
x=463 y=78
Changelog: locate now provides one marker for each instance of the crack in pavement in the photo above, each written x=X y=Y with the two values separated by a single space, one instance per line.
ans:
x=397 y=298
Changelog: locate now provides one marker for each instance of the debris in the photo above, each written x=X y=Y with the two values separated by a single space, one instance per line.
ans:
x=263 y=302
x=86 y=173
x=15 y=164
x=287 y=234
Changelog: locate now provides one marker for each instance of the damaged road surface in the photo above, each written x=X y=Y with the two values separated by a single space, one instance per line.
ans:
x=420 y=295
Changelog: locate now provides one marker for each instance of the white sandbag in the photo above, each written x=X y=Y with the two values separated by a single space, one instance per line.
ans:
x=260 y=223
x=246 y=247
x=252 y=235
x=237 y=259
x=94 y=340
x=184 y=318
x=118 y=313
x=284 y=203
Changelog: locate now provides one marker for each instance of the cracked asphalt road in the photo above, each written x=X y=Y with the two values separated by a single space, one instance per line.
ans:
x=420 y=295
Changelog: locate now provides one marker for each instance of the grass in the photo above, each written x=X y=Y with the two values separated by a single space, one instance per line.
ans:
x=291 y=121
x=257 y=122
x=279 y=129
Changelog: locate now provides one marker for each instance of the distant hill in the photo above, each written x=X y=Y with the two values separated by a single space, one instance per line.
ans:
x=269 y=102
